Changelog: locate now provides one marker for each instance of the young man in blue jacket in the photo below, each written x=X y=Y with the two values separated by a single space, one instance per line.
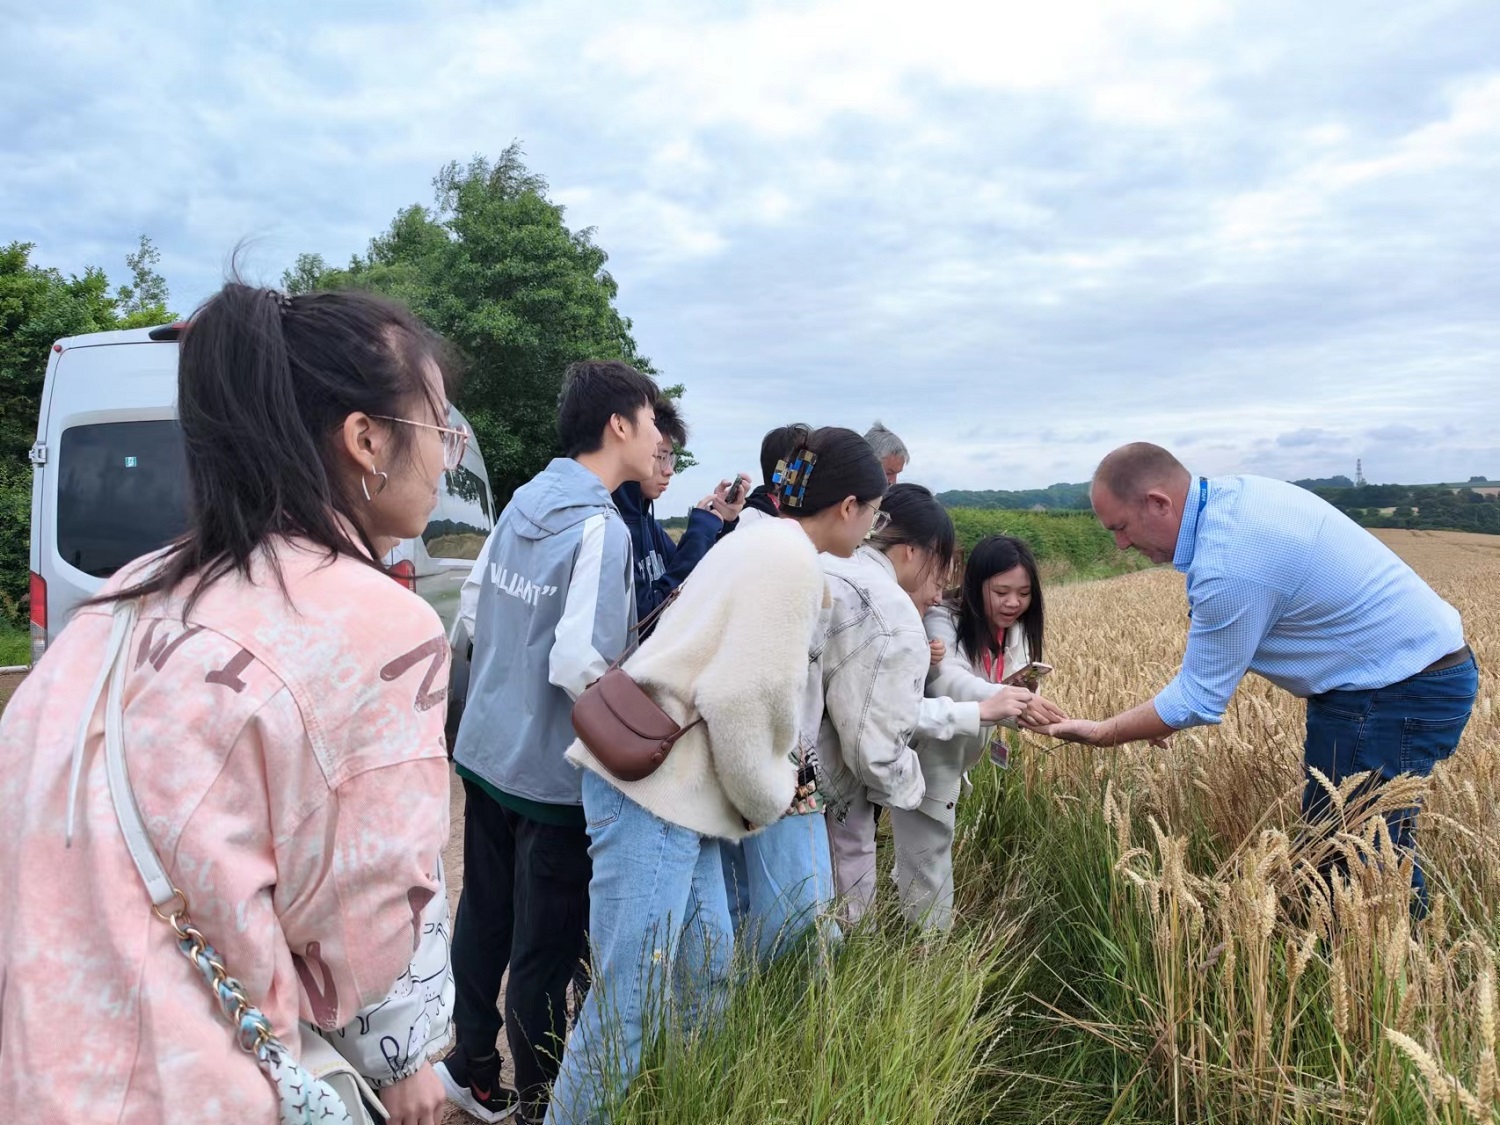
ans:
x=660 y=564
x=549 y=605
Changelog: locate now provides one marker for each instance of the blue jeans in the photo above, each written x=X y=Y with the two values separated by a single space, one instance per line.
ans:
x=652 y=880
x=1407 y=727
x=780 y=883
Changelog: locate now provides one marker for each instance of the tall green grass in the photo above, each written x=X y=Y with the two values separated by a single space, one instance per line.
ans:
x=1013 y=1017
x=1045 y=1005
x=894 y=1027
x=15 y=644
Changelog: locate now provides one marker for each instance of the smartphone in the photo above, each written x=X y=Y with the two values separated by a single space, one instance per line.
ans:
x=1029 y=676
x=733 y=495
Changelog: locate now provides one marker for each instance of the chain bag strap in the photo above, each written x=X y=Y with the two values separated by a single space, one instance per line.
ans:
x=302 y=1099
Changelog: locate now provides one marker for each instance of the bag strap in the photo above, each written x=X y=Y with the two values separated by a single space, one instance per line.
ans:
x=142 y=851
x=640 y=626
x=303 y=1097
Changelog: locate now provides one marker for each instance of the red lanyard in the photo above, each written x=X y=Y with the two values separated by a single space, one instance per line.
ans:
x=993 y=664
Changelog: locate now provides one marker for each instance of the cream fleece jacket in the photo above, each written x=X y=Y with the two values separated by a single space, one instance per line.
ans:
x=733 y=648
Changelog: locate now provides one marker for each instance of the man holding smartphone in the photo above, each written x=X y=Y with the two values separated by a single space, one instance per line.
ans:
x=660 y=564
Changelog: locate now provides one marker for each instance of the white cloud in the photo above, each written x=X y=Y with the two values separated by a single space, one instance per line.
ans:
x=1020 y=233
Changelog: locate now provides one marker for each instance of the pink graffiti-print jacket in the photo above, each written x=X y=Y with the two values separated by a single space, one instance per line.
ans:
x=287 y=754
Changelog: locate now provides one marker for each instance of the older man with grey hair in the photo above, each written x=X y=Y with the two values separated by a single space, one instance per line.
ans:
x=890 y=449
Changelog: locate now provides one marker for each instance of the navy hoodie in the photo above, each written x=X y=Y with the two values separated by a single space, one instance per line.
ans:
x=661 y=565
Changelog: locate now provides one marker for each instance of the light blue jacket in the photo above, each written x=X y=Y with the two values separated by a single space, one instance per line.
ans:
x=550 y=606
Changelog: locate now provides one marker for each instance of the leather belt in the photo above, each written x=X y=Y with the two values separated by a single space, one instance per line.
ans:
x=1452 y=660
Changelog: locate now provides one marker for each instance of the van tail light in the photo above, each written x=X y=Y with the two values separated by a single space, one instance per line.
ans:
x=38 y=616
x=405 y=572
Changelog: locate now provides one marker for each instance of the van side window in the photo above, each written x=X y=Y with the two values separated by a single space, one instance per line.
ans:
x=461 y=521
x=121 y=493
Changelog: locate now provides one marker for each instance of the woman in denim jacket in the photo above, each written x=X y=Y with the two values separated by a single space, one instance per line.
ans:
x=875 y=666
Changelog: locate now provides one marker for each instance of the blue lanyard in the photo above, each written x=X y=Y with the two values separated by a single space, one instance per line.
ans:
x=1202 y=503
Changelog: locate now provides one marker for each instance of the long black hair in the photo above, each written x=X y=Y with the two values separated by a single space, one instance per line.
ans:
x=994 y=555
x=264 y=384
x=917 y=520
x=846 y=466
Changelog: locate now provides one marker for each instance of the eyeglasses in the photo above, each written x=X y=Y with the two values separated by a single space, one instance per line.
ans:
x=667 y=459
x=455 y=441
x=881 y=521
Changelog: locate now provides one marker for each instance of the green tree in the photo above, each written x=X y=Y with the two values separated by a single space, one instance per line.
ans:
x=143 y=303
x=37 y=307
x=493 y=267
x=305 y=274
x=685 y=458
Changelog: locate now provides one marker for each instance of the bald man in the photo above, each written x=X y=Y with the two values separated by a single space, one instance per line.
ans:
x=1281 y=583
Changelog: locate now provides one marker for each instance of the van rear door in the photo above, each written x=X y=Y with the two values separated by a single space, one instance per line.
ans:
x=113 y=485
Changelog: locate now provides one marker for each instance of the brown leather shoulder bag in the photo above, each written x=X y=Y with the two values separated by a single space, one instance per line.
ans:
x=623 y=728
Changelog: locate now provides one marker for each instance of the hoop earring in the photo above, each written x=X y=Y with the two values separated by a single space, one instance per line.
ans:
x=384 y=480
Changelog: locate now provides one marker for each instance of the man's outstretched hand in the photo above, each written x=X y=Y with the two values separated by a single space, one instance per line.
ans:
x=1107 y=733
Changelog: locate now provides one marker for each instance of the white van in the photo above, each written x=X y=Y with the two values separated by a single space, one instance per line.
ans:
x=110 y=484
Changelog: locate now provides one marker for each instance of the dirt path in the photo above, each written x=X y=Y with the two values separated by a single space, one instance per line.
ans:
x=453 y=870
x=8 y=684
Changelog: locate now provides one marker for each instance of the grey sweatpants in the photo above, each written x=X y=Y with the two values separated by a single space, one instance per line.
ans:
x=852 y=844
x=924 y=866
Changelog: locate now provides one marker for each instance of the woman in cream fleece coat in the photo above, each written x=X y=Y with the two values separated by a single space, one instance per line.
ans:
x=733 y=650
x=989 y=633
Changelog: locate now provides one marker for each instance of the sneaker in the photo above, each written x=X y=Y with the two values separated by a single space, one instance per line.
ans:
x=475 y=1087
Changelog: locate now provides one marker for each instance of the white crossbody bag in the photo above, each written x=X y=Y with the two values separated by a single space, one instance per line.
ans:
x=321 y=1089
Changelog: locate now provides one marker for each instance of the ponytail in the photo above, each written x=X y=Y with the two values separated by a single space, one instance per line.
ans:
x=822 y=468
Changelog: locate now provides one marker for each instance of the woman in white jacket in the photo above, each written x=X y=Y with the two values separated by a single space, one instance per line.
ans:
x=733 y=651
x=988 y=633
x=875 y=666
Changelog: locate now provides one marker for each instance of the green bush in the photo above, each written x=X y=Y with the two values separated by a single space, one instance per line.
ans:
x=15 y=645
x=1067 y=545
x=15 y=545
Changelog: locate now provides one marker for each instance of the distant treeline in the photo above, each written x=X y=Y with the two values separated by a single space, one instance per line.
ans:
x=1430 y=507
x=1055 y=497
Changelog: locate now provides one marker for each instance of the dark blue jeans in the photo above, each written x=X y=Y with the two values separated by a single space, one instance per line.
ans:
x=1407 y=727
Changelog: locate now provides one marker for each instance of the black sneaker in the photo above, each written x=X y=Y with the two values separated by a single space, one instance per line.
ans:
x=475 y=1086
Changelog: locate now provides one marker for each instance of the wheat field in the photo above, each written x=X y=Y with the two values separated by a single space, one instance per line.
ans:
x=1140 y=935
x=1234 y=988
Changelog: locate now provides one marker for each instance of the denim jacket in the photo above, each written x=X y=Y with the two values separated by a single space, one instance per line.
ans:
x=875 y=662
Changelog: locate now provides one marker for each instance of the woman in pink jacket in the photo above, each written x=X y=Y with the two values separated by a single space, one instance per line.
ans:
x=282 y=730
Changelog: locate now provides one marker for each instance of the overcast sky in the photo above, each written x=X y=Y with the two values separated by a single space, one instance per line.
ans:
x=1264 y=234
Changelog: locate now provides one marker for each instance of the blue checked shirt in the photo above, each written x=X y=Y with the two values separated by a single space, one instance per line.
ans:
x=1279 y=582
